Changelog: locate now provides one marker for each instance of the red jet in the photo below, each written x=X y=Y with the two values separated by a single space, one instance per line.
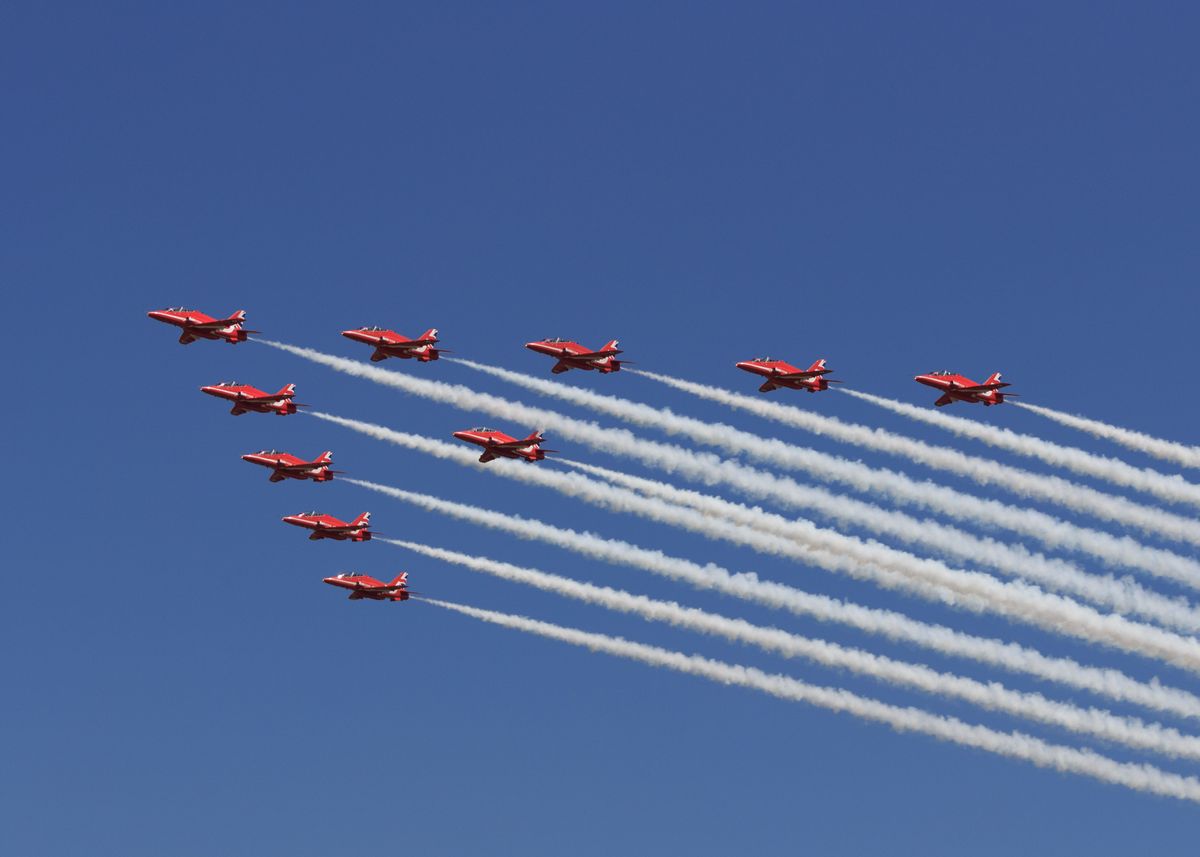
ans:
x=497 y=444
x=365 y=586
x=388 y=343
x=246 y=398
x=572 y=355
x=328 y=527
x=197 y=325
x=286 y=466
x=957 y=388
x=780 y=373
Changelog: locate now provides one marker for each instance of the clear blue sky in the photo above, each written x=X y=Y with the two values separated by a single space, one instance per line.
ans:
x=947 y=185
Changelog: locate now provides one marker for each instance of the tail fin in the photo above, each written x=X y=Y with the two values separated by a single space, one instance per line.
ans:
x=325 y=457
x=611 y=345
x=537 y=437
x=818 y=366
x=287 y=390
x=401 y=580
x=362 y=520
x=430 y=335
x=237 y=318
x=994 y=378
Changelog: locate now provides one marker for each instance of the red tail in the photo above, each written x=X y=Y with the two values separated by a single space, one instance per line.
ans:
x=325 y=457
x=429 y=335
x=362 y=520
x=287 y=390
x=818 y=366
x=401 y=580
x=994 y=378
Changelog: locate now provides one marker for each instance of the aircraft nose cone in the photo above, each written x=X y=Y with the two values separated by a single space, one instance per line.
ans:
x=462 y=435
x=350 y=334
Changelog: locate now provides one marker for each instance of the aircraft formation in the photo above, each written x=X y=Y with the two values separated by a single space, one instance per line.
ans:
x=495 y=443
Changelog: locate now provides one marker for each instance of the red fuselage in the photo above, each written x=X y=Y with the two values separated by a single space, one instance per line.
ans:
x=328 y=527
x=497 y=444
x=572 y=355
x=364 y=586
x=286 y=466
x=959 y=388
x=780 y=373
x=388 y=343
x=246 y=398
x=197 y=325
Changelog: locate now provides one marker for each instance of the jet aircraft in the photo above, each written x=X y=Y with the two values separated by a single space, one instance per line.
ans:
x=328 y=527
x=364 y=586
x=287 y=466
x=780 y=373
x=572 y=355
x=958 y=388
x=247 y=398
x=388 y=343
x=497 y=444
x=196 y=325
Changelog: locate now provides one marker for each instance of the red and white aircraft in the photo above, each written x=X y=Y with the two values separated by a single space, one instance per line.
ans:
x=780 y=373
x=572 y=355
x=958 y=388
x=197 y=325
x=246 y=398
x=287 y=466
x=364 y=586
x=388 y=343
x=328 y=527
x=497 y=444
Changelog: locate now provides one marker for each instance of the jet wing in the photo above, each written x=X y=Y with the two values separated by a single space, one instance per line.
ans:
x=981 y=388
x=593 y=355
x=217 y=324
x=514 y=444
x=802 y=376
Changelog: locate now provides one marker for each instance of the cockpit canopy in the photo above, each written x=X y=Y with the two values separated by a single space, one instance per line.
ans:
x=178 y=309
x=942 y=372
x=485 y=430
x=269 y=452
x=555 y=339
x=766 y=360
x=312 y=514
x=230 y=384
x=375 y=329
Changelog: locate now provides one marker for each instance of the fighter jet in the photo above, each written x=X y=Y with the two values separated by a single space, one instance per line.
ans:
x=287 y=466
x=197 y=325
x=780 y=373
x=328 y=527
x=497 y=444
x=572 y=355
x=958 y=388
x=388 y=343
x=247 y=398
x=364 y=586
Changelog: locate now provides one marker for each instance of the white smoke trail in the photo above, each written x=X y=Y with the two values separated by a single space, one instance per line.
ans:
x=1140 y=777
x=994 y=696
x=747 y=586
x=1051 y=531
x=1122 y=596
x=1167 y=450
x=1053 y=489
x=834 y=552
x=1172 y=489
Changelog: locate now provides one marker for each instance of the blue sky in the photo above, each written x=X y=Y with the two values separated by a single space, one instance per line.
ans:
x=896 y=190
